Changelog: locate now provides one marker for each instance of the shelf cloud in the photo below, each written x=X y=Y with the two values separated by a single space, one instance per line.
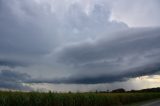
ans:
x=77 y=41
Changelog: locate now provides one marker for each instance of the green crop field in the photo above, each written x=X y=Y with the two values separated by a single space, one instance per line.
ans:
x=72 y=99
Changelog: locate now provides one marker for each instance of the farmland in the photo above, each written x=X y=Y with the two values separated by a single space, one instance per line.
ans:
x=73 y=99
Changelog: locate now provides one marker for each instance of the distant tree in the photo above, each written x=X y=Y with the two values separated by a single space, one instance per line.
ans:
x=150 y=90
x=120 y=90
x=69 y=92
x=132 y=91
x=107 y=91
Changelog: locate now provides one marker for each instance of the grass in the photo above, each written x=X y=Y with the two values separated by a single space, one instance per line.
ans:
x=73 y=99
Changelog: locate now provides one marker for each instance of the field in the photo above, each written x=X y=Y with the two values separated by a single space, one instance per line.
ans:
x=72 y=99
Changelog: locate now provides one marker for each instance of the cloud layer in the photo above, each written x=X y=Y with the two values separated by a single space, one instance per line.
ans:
x=127 y=54
x=77 y=41
x=13 y=80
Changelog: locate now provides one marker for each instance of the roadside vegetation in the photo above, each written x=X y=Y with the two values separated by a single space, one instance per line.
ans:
x=8 y=98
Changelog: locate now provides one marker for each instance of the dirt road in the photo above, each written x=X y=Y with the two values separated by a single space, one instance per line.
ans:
x=153 y=103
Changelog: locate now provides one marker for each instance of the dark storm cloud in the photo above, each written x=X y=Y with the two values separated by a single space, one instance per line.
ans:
x=13 y=80
x=11 y=63
x=121 y=44
x=129 y=53
x=76 y=41
x=150 y=69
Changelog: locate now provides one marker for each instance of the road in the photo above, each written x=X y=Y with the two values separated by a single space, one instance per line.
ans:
x=153 y=103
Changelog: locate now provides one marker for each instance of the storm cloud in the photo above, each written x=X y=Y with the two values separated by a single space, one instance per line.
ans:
x=77 y=41
x=117 y=59
x=13 y=80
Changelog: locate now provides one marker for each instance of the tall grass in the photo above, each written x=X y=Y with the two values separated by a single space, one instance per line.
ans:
x=72 y=99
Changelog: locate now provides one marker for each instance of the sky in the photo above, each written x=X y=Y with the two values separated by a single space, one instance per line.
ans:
x=79 y=45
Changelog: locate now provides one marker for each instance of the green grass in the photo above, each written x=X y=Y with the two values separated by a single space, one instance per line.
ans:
x=73 y=99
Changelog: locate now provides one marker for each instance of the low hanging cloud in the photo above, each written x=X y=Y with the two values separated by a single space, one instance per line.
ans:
x=122 y=57
x=13 y=80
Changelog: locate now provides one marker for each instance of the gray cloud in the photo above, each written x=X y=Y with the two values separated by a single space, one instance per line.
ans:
x=129 y=42
x=117 y=58
x=13 y=63
x=30 y=30
x=125 y=55
x=150 y=69
x=79 y=41
x=13 y=80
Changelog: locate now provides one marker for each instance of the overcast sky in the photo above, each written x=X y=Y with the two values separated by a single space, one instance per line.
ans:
x=79 y=45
